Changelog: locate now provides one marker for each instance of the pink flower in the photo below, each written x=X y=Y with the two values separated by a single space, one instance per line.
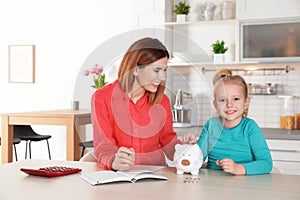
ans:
x=86 y=72
x=99 y=70
x=99 y=76
x=95 y=70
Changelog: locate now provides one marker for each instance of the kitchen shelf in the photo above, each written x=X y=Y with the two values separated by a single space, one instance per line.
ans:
x=261 y=94
x=199 y=22
x=209 y=64
x=247 y=69
x=264 y=71
x=285 y=96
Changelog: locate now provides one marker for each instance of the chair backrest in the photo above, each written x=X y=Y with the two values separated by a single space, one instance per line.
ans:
x=23 y=130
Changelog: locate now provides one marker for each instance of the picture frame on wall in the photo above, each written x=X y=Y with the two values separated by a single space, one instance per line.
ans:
x=21 y=62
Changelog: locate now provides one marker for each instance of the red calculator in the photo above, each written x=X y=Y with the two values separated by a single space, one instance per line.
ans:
x=52 y=171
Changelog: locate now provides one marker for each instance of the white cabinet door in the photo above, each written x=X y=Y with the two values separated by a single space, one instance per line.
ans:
x=287 y=145
x=285 y=150
x=285 y=155
x=254 y=9
x=283 y=167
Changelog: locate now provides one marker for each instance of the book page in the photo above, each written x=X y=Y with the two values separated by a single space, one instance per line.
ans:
x=101 y=177
x=146 y=168
x=106 y=176
x=132 y=174
x=142 y=174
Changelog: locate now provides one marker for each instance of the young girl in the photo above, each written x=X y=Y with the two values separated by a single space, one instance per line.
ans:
x=232 y=142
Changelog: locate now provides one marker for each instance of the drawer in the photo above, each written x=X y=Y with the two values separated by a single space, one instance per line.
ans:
x=287 y=167
x=287 y=145
x=285 y=155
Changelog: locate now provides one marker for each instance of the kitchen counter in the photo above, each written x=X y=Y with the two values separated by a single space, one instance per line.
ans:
x=281 y=134
x=269 y=133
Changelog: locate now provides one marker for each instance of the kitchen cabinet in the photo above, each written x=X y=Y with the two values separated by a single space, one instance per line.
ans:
x=255 y=43
x=257 y=9
x=285 y=155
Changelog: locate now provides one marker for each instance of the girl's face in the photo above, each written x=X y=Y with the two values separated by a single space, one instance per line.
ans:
x=230 y=103
x=151 y=76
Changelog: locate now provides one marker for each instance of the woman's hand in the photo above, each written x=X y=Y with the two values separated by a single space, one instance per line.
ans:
x=124 y=159
x=189 y=138
x=228 y=165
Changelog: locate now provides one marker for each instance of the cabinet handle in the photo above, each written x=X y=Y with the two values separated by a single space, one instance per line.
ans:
x=285 y=150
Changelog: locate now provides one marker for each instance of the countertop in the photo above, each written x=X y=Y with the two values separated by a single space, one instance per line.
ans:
x=269 y=133
x=281 y=134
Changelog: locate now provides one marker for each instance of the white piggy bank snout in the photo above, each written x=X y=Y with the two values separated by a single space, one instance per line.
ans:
x=188 y=158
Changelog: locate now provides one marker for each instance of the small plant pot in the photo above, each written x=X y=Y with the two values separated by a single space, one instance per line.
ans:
x=181 y=18
x=218 y=58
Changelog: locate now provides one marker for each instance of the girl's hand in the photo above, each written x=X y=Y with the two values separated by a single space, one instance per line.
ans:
x=228 y=165
x=124 y=159
x=189 y=138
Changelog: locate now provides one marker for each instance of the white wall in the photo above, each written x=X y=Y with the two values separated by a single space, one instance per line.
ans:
x=65 y=33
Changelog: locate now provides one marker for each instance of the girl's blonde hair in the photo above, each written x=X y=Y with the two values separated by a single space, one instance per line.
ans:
x=220 y=74
x=224 y=76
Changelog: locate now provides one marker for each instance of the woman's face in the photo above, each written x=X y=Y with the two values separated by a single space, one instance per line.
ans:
x=151 y=76
x=230 y=103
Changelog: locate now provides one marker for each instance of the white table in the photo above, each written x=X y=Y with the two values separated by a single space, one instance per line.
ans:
x=213 y=184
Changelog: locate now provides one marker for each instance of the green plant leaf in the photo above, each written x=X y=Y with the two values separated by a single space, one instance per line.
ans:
x=99 y=81
x=182 y=8
x=219 y=47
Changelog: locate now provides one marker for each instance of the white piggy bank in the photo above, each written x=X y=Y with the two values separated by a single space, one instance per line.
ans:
x=188 y=158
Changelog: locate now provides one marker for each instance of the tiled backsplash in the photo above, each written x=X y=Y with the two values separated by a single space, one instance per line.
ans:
x=264 y=109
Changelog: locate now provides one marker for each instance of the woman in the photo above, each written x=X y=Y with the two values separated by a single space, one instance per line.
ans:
x=131 y=117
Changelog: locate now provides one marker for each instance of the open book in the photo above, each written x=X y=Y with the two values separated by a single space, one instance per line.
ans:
x=106 y=176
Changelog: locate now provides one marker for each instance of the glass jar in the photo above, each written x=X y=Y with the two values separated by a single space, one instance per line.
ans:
x=297 y=115
x=287 y=118
x=297 y=121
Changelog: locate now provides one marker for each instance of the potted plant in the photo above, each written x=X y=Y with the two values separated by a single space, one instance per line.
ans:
x=98 y=76
x=182 y=9
x=219 y=49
